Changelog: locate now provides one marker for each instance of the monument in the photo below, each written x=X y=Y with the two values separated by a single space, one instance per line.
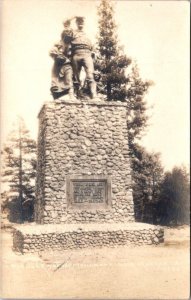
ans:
x=83 y=165
x=83 y=188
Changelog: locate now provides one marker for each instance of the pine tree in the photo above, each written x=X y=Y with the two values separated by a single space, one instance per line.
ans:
x=174 y=201
x=120 y=77
x=111 y=61
x=19 y=170
x=137 y=106
x=147 y=176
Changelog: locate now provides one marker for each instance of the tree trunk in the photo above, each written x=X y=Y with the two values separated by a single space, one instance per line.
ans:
x=108 y=91
x=20 y=176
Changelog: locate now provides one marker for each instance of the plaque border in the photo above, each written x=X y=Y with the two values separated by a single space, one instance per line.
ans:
x=88 y=206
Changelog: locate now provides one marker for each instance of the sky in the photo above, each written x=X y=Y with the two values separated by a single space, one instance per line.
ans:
x=154 y=33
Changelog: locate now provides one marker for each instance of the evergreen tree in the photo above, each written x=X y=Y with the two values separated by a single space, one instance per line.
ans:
x=137 y=106
x=147 y=176
x=120 y=78
x=111 y=61
x=174 y=201
x=19 y=170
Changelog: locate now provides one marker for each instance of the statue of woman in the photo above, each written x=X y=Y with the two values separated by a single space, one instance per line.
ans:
x=62 y=81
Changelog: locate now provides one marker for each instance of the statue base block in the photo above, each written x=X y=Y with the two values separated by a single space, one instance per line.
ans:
x=83 y=173
x=36 y=238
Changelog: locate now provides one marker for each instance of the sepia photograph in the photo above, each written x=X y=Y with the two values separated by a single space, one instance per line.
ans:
x=95 y=149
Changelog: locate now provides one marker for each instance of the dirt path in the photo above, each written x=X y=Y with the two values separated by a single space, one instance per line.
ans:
x=150 y=272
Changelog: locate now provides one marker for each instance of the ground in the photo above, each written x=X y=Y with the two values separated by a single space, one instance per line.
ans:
x=144 y=272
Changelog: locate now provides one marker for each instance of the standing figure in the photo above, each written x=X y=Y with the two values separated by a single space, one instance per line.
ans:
x=62 y=82
x=81 y=54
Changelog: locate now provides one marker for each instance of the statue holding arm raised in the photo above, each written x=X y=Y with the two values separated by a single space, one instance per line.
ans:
x=81 y=53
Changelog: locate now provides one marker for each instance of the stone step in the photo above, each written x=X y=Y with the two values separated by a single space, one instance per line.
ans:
x=36 y=238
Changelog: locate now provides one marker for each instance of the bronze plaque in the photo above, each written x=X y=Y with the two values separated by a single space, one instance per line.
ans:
x=88 y=192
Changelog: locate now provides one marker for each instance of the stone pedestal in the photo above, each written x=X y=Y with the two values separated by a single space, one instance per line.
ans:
x=84 y=172
x=83 y=191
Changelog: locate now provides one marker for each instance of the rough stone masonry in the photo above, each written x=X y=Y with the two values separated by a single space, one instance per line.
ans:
x=81 y=143
x=74 y=236
x=83 y=190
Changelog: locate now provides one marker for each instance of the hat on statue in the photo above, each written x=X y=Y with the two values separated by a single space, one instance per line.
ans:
x=80 y=20
x=66 y=23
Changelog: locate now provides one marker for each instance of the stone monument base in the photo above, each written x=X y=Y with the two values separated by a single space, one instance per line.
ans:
x=36 y=238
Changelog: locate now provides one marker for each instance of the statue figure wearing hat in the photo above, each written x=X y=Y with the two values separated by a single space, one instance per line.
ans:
x=81 y=54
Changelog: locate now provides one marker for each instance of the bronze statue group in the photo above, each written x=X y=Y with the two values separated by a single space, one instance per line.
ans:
x=72 y=53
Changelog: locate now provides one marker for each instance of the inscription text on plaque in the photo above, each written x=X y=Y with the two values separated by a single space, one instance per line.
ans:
x=88 y=192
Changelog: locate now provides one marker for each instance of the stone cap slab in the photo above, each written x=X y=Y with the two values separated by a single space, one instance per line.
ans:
x=82 y=103
x=34 y=228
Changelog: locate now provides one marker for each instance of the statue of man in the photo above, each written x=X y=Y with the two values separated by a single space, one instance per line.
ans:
x=62 y=82
x=81 y=53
